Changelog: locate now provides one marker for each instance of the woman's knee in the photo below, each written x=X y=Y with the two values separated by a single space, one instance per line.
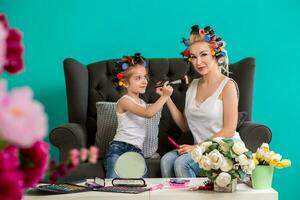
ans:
x=181 y=161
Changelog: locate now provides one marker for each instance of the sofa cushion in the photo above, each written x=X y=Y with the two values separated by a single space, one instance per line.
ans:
x=107 y=125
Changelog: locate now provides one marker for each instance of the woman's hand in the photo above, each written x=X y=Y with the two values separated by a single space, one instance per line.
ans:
x=185 y=148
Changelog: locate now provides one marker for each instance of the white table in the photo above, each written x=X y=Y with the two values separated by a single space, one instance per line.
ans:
x=243 y=192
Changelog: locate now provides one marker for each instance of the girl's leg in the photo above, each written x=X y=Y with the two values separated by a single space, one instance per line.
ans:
x=114 y=151
x=167 y=164
x=186 y=167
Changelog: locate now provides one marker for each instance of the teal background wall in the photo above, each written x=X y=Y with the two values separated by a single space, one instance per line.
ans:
x=95 y=30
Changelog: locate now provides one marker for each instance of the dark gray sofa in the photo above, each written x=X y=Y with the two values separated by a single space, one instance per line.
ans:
x=87 y=84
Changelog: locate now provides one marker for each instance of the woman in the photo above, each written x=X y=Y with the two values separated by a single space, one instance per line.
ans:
x=211 y=106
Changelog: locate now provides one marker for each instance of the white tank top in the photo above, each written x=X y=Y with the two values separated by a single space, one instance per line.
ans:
x=205 y=119
x=131 y=128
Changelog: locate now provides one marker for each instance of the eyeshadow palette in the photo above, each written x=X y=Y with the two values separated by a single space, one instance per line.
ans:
x=122 y=189
x=63 y=188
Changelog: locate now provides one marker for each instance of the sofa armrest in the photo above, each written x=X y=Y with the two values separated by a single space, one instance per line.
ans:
x=254 y=134
x=67 y=137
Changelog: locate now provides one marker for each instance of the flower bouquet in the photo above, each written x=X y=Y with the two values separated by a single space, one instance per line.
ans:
x=24 y=155
x=76 y=157
x=23 y=123
x=265 y=161
x=223 y=160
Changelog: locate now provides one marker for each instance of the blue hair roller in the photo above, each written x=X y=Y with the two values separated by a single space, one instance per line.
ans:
x=223 y=54
x=124 y=66
x=206 y=38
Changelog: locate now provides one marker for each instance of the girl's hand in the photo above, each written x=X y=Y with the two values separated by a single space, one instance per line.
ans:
x=185 y=148
x=166 y=90
x=159 y=89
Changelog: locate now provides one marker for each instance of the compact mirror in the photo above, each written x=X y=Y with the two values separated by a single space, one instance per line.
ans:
x=131 y=165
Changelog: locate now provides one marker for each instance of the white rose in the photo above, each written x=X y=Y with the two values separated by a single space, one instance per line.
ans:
x=205 y=163
x=223 y=179
x=224 y=146
x=205 y=145
x=249 y=167
x=227 y=165
x=197 y=154
x=242 y=159
x=216 y=159
x=239 y=147
x=217 y=139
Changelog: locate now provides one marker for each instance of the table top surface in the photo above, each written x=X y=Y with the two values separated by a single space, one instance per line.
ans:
x=242 y=192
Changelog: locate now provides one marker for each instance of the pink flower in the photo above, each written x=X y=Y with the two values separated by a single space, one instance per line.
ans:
x=11 y=185
x=93 y=156
x=62 y=169
x=74 y=157
x=84 y=154
x=11 y=181
x=14 y=52
x=11 y=48
x=9 y=158
x=22 y=120
x=36 y=163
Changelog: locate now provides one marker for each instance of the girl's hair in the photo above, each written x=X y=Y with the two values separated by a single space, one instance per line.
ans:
x=123 y=68
x=215 y=42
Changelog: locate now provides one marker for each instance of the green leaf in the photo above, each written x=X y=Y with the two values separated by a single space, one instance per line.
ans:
x=229 y=141
x=232 y=154
x=212 y=147
x=242 y=174
x=249 y=154
x=209 y=175
x=233 y=173
x=3 y=144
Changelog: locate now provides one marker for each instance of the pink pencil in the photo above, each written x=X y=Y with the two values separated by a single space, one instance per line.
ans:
x=173 y=142
x=156 y=187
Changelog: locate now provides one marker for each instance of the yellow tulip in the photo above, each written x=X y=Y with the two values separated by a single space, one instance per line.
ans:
x=286 y=163
x=255 y=161
x=274 y=163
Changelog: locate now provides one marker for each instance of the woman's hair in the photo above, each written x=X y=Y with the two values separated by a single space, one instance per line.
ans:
x=123 y=68
x=215 y=42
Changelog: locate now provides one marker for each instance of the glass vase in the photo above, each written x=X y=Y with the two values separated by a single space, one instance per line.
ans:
x=231 y=187
x=262 y=177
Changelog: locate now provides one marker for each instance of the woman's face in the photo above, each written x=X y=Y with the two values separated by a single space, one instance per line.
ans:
x=202 y=59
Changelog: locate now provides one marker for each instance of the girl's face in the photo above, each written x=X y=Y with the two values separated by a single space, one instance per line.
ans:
x=202 y=59
x=138 y=80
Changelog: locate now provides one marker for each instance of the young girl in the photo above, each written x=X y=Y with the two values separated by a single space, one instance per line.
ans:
x=211 y=106
x=131 y=74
